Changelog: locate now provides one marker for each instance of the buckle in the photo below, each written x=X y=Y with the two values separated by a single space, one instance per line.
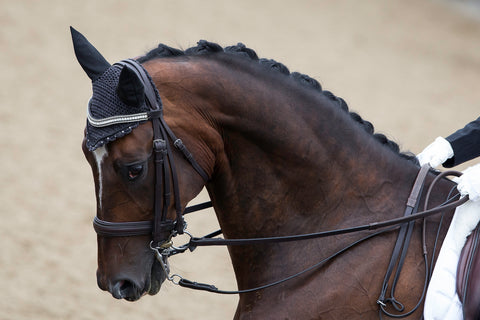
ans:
x=179 y=144
x=381 y=303
x=167 y=244
x=159 y=145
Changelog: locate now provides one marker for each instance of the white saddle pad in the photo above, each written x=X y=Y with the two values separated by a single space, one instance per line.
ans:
x=442 y=301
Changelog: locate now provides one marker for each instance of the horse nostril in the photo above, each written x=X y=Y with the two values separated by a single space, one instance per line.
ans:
x=124 y=289
x=120 y=289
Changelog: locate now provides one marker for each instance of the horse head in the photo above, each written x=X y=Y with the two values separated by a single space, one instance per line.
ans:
x=130 y=150
x=281 y=156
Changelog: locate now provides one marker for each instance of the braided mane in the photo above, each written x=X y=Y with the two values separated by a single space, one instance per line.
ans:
x=206 y=47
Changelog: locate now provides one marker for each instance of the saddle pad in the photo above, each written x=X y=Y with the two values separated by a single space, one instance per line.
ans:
x=442 y=301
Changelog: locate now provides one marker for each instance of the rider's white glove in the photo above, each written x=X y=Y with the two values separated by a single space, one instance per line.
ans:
x=469 y=183
x=436 y=153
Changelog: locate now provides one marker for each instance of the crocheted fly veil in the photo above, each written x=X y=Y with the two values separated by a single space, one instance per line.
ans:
x=109 y=116
x=118 y=102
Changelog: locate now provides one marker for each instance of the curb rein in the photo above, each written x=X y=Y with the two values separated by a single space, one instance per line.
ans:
x=163 y=229
x=405 y=224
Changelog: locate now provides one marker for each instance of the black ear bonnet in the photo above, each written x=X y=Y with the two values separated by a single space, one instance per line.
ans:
x=118 y=102
x=114 y=111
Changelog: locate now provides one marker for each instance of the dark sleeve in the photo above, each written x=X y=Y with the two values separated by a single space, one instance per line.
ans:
x=465 y=144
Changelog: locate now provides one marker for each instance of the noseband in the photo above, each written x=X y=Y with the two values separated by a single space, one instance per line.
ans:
x=161 y=228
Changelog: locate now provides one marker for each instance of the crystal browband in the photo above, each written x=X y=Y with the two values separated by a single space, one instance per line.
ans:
x=105 y=122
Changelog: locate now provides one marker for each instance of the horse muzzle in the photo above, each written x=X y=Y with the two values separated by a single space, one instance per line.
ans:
x=131 y=289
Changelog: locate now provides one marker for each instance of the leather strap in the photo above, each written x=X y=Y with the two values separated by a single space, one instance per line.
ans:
x=401 y=246
x=449 y=205
x=211 y=288
x=164 y=164
x=112 y=229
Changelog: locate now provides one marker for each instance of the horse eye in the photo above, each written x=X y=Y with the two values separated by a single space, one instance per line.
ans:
x=134 y=171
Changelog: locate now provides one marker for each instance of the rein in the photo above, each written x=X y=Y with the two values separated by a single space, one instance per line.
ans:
x=404 y=223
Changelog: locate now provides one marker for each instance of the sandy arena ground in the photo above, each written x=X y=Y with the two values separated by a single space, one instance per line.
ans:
x=411 y=67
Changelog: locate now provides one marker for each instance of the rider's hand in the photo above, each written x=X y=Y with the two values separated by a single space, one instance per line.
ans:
x=436 y=153
x=469 y=183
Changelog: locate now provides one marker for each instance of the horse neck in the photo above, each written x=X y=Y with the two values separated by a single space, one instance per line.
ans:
x=286 y=161
x=290 y=159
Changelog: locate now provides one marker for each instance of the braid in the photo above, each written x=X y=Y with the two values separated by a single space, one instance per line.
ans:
x=274 y=65
x=367 y=125
x=306 y=80
x=160 y=52
x=240 y=50
x=204 y=47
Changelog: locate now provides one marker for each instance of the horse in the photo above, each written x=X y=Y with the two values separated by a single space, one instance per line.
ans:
x=278 y=155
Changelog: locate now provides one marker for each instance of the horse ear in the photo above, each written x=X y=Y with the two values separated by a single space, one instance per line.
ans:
x=92 y=62
x=130 y=89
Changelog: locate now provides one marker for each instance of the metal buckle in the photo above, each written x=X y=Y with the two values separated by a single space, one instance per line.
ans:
x=179 y=144
x=381 y=303
x=167 y=244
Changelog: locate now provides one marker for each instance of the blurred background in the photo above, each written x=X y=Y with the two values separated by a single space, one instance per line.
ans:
x=411 y=67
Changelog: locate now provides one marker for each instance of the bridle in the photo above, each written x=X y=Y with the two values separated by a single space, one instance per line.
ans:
x=163 y=229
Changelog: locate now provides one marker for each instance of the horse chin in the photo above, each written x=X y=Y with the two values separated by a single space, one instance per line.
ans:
x=158 y=276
